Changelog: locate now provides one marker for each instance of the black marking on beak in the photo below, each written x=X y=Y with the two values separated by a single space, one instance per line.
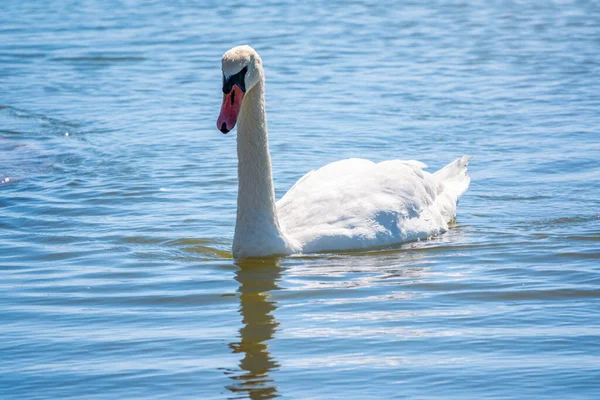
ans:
x=237 y=79
x=224 y=128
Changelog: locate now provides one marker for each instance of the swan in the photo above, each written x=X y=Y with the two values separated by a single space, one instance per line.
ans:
x=351 y=204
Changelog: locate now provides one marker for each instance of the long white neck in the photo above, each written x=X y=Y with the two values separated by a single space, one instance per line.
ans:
x=257 y=231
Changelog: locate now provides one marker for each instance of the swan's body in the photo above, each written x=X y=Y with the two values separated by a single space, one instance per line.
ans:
x=345 y=205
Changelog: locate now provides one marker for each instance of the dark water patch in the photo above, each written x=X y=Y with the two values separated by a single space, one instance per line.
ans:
x=153 y=299
x=142 y=240
x=580 y=255
x=527 y=295
x=19 y=55
x=99 y=59
x=589 y=238
x=514 y=198
x=574 y=220
x=206 y=247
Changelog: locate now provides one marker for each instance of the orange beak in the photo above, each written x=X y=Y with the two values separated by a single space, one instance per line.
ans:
x=230 y=109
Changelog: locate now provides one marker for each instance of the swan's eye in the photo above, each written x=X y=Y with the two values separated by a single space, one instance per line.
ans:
x=237 y=79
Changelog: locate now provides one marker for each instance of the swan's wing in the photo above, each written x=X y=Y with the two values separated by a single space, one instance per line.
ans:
x=301 y=179
x=356 y=203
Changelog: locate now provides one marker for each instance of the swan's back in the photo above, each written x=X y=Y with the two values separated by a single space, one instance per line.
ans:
x=357 y=204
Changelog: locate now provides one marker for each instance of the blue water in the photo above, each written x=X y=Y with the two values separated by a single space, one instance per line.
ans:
x=118 y=201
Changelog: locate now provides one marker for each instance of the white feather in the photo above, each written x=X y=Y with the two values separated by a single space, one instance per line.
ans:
x=357 y=204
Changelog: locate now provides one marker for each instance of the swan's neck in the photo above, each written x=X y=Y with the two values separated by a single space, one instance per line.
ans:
x=257 y=231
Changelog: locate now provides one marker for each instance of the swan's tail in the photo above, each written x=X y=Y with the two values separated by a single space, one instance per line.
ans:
x=453 y=183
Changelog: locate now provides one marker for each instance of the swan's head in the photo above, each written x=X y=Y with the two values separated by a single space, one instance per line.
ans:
x=242 y=69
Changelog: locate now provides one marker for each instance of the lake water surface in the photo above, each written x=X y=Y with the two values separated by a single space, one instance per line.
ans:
x=118 y=200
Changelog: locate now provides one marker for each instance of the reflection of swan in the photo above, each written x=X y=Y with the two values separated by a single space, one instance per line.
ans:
x=257 y=278
x=349 y=204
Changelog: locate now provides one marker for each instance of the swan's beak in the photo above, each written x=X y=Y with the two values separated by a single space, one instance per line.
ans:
x=230 y=109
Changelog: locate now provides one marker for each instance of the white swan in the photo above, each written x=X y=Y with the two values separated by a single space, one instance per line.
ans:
x=348 y=204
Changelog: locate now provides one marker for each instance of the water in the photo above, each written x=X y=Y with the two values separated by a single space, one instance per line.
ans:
x=118 y=201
